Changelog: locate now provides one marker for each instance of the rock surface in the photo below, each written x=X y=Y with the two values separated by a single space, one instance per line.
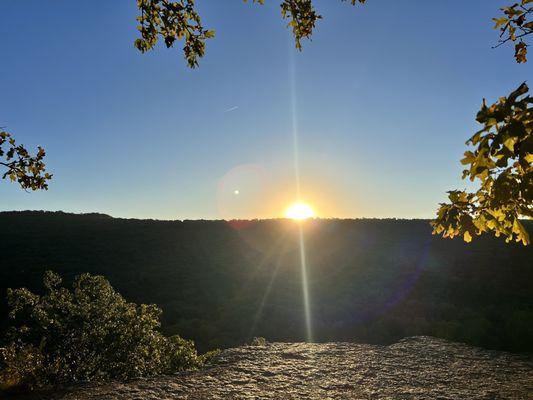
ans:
x=414 y=368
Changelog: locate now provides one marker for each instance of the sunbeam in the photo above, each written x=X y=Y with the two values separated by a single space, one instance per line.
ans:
x=295 y=138
x=305 y=287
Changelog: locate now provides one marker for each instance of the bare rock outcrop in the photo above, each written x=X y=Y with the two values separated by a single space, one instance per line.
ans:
x=414 y=368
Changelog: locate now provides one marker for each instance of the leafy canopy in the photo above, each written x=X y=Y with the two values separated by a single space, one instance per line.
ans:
x=172 y=20
x=179 y=21
x=88 y=333
x=502 y=161
x=514 y=26
x=27 y=170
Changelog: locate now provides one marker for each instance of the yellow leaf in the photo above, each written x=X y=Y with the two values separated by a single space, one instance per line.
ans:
x=499 y=22
x=509 y=143
x=466 y=237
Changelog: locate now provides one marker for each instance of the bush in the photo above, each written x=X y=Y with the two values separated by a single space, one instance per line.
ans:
x=89 y=333
x=20 y=366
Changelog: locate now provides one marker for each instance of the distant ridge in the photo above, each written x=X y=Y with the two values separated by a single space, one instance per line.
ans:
x=221 y=283
x=58 y=213
x=97 y=215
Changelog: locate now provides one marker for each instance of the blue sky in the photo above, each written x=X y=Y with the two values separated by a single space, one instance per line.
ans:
x=385 y=96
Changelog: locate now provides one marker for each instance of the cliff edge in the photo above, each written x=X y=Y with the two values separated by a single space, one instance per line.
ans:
x=414 y=368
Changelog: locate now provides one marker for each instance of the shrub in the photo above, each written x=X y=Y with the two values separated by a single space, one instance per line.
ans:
x=89 y=333
x=20 y=366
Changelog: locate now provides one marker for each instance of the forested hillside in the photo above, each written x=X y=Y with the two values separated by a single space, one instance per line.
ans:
x=222 y=283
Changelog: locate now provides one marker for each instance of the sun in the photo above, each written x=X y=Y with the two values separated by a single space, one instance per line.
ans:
x=299 y=211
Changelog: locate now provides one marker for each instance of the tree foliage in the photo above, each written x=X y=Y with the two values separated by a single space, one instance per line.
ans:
x=502 y=161
x=22 y=167
x=172 y=21
x=179 y=21
x=515 y=25
x=89 y=333
x=302 y=18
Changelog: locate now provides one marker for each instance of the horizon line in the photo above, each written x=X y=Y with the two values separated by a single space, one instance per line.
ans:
x=258 y=219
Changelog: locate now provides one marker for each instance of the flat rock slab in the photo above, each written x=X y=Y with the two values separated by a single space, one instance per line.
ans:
x=414 y=368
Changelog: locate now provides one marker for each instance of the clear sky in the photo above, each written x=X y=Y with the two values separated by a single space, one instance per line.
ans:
x=383 y=98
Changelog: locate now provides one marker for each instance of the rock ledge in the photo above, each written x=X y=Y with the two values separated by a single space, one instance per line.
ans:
x=414 y=368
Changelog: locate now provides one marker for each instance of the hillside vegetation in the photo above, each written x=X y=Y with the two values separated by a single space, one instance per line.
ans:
x=222 y=283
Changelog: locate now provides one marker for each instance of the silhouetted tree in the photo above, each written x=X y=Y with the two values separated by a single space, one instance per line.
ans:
x=27 y=170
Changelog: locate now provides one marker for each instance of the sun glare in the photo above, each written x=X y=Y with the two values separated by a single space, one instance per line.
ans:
x=299 y=211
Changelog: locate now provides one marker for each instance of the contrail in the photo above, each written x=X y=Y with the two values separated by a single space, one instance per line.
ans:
x=231 y=109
